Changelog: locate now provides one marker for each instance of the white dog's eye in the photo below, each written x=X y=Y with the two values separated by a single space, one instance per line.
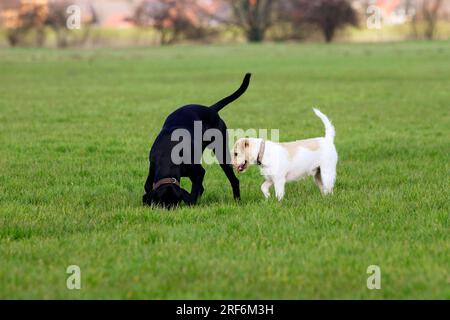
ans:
x=235 y=154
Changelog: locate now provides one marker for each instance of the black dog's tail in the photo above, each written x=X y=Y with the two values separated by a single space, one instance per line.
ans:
x=222 y=103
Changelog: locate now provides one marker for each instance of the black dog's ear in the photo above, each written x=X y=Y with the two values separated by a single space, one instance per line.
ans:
x=187 y=198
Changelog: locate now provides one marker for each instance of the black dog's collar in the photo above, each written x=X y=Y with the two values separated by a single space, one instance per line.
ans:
x=163 y=181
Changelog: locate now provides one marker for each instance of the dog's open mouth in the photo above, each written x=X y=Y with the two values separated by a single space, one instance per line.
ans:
x=242 y=167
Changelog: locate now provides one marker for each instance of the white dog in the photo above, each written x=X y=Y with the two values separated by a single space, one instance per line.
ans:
x=290 y=161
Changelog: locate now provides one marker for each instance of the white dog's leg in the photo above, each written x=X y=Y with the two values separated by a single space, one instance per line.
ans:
x=279 y=188
x=318 y=180
x=328 y=175
x=265 y=188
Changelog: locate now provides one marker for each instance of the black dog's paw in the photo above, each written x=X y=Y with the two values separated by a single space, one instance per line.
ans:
x=237 y=195
x=189 y=202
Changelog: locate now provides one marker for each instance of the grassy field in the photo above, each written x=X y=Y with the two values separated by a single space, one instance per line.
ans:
x=76 y=127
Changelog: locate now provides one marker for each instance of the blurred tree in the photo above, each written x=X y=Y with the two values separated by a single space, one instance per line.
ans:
x=173 y=19
x=254 y=17
x=428 y=12
x=327 y=15
x=23 y=18
x=57 y=21
x=31 y=17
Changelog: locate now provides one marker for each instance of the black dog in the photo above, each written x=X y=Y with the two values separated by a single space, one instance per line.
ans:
x=163 y=182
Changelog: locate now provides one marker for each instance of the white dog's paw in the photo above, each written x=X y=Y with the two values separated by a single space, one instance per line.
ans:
x=279 y=194
x=279 y=190
x=265 y=189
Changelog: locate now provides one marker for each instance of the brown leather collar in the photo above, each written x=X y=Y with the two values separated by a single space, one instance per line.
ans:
x=262 y=147
x=159 y=183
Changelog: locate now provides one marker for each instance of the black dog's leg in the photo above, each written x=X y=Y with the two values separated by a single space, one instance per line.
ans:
x=187 y=198
x=224 y=159
x=228 y=169
x=196 y=176
x=148 y=187
x=149 y=182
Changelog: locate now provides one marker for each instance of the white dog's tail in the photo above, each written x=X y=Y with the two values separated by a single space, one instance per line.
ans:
x=329 y=129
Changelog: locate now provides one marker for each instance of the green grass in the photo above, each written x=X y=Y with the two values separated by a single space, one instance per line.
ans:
x=76 y=127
